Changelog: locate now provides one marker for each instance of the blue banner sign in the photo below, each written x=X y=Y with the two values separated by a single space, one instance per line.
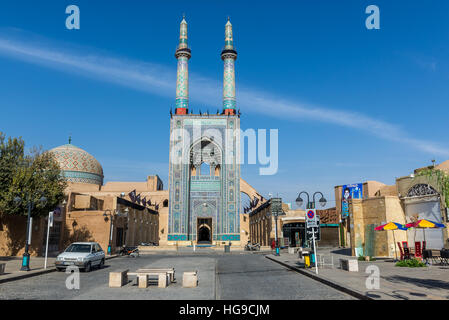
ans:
x=350 y=191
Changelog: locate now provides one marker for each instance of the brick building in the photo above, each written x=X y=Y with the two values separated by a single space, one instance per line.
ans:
x=412 y=197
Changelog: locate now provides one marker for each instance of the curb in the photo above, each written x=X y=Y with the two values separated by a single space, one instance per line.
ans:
x=27 y=275
x=37 y=273
x=334 y=285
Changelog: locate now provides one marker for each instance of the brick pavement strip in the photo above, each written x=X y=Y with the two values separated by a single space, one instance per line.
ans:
x=16 y=274
x=396 y=283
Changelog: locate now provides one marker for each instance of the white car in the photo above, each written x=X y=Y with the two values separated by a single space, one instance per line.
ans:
x=84 y=255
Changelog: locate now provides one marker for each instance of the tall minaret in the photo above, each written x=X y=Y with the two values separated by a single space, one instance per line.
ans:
x=229 y=55
x=183 y=55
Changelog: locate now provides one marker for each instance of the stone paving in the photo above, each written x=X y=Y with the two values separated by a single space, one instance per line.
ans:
x=235 y=276
x=396 y=283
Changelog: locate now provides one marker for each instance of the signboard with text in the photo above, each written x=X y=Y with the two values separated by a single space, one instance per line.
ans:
x=313 y=228
x=311 y=218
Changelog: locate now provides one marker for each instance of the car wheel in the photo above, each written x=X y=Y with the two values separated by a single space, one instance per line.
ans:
x=101 y=265
x=59 y=269
x=88 y=267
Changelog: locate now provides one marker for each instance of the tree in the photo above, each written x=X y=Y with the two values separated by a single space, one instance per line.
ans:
x=35 y=174
x=442 y=181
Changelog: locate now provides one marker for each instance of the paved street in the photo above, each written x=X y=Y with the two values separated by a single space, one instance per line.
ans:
x=232 y=276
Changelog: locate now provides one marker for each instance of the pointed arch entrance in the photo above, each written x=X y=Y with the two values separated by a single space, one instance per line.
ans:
x=204 y=232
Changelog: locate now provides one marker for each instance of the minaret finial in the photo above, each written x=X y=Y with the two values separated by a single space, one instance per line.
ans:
x=70 y=139
x=229 y=55
x=183 y=54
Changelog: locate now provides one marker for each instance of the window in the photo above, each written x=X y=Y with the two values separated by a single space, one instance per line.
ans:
x=165 y=203
x=85 y=248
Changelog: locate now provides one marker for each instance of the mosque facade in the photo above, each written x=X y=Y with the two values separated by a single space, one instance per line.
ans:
x=201 y=204
x=204 y=170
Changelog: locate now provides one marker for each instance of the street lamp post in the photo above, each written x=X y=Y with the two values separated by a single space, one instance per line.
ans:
x=311 y=205
x=26 y=255
x=110 y=230
x=276 y=210
x=276 y=234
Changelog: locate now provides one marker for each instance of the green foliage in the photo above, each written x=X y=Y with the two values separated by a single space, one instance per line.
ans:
x=441 y=178
x=363 y=258
x=410 y=263
x=28 y=176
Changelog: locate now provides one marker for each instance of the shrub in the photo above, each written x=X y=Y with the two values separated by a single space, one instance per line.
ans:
x=363 y=258
x=410 y=263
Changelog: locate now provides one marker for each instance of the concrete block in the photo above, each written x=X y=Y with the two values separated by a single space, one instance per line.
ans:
x=118 y=279
x=190 y=279
x=162 y=281
x=349 y=265
x=143 y=281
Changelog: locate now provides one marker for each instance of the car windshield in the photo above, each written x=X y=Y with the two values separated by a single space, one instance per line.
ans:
x=78 y=248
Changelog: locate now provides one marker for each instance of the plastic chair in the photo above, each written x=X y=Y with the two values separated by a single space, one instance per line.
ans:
x=444 y=256
x=418 y=253
x=427 y=254
x=401 y=251
x=406 y=253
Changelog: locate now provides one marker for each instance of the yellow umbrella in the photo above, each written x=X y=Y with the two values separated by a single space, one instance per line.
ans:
x=392 y=226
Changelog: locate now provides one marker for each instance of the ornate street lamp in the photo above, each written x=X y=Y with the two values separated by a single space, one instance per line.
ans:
x=311 y=205
x=276 y=210
x=110 y=229
x=30 y=204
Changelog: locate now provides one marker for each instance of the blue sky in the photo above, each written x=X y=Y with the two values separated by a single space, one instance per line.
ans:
x=350 y=104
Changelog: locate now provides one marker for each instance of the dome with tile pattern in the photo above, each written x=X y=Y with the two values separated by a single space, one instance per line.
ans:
x=78 y=165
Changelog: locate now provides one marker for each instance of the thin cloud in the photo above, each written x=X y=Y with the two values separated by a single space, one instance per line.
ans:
x=160 y=80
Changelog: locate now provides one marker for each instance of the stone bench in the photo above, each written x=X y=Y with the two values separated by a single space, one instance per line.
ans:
x=349 y=265
x=190 y=279
x=161 y=276
x=118 y=279
x=143 y=281
x=169 y=271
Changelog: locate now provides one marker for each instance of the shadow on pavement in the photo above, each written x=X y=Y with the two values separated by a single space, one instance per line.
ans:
x=427 y=283
x=342 y=251
x=10 y=258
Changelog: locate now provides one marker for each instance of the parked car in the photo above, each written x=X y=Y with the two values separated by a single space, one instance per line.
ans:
x=84 y=255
